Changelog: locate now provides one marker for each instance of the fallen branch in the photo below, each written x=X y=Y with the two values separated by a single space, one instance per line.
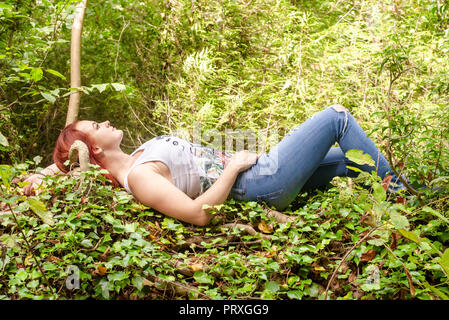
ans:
x=227 y=239
x=279 y=217
x=246 y=228
x=174 y=286
x=189 y=270
x=197 y=240
x=79 y=151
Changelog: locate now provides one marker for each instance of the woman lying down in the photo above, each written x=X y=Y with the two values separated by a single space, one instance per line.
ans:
x=177 y=178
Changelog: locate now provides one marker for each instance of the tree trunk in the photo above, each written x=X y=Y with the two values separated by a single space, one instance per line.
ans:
x=75 y=63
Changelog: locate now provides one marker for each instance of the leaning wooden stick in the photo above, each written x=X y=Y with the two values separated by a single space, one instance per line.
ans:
x=75 y=62
x=79 y=151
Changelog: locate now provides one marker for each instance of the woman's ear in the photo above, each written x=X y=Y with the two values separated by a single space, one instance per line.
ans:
x=97 y=150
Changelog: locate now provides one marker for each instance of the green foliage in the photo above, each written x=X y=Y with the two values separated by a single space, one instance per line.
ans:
x=155 y=67
x=118 y=248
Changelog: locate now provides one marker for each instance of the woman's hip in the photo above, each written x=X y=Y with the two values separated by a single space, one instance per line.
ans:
x=265 y=181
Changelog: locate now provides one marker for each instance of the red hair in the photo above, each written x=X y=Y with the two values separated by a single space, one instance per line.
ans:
x=65 y=140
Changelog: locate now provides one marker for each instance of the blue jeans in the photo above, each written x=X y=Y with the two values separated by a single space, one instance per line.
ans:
x=305 y=159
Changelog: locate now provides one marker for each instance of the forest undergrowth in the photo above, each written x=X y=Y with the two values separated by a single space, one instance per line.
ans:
x=167 y=67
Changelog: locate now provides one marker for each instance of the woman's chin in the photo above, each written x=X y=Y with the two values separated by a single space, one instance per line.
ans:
x=120 y=133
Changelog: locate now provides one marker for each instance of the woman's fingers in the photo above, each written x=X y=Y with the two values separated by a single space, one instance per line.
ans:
x=34 y=182
x=245 y=159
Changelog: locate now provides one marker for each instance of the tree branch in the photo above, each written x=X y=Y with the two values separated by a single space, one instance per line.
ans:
x=75 y=62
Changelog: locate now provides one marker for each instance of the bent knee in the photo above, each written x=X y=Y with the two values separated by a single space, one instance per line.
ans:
x=338 y=107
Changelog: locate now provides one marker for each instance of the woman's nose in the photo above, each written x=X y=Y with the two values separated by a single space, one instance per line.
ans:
x=106 y=123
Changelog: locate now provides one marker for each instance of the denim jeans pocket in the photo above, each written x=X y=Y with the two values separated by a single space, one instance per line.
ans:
x=270 y=196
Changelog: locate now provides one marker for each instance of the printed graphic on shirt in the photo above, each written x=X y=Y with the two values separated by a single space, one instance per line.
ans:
x=210 y=162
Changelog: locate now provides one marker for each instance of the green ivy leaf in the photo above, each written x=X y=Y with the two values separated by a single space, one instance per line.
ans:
x=138 y=282
x=48 y=97
x=56 y=73
x=312 y=291
x=3 y=140
x=41 y=211
x=435 y=213
x=272 y=286
x=48 y=266
x=36 y=74
x=382 y=237
x=130 y=227
x=379 y=192
x=410 y=235
x=292 y=280
x=21 y=274
x=399 y=221
x=118 y=86
x=359 y=157
x=203 y=277
x=8 y=240
x=118 y=276
x=105 y=288
x=295 y=294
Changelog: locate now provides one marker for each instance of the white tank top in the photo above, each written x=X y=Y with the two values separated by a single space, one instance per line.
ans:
x=193 y=167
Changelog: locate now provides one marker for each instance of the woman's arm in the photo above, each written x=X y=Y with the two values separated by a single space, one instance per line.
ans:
x=36 y=179
x=51 y=170
x=154 y=190
x=219 y=191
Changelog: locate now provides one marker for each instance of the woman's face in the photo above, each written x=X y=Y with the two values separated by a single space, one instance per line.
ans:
x=102 y=134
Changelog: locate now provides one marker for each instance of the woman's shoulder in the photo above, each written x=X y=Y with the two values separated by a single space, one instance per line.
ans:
x=140 y=173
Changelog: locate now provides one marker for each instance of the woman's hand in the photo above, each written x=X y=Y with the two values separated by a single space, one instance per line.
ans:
x=34 y=182
x=243 y=160
x=36 y=179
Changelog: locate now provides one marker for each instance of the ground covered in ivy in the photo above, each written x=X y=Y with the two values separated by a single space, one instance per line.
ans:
x=81 y=238
x=186 y=66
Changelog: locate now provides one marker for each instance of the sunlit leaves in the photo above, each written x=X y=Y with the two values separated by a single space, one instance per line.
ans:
x=56 y=73
x=203 y=277
x=41 y=211
x=378 y=192
x=359 y=157
x=269 y=63
x=399 y=221
x=3 y=140
x=36 y=74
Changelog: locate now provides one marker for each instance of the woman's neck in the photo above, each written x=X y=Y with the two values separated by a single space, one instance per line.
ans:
x=118 y=163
